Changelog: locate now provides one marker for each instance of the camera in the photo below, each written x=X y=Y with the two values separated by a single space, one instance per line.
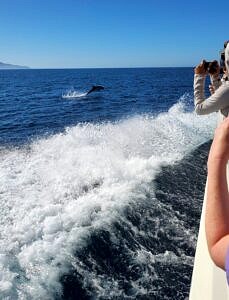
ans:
x=211 y=66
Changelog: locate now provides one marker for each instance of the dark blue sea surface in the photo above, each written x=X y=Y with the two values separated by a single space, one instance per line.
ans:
x=31 y=101
x=100 y=194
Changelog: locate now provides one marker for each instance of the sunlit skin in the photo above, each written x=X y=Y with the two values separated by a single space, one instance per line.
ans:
x=217 y=209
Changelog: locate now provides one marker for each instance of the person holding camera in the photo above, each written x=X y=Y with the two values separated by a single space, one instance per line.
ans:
x=219 y=99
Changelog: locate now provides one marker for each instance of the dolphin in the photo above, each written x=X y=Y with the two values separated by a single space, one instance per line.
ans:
x=95 y=88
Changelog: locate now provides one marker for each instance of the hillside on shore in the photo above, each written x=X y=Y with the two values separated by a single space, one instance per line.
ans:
x=10 y=66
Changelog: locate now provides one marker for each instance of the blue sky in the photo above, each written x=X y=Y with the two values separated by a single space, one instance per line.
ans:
x=111 y=33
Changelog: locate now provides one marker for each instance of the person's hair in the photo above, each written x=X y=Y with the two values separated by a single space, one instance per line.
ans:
x=225 y=44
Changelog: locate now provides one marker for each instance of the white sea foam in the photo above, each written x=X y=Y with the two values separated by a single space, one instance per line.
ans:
x=55 y=193
x=71 y=94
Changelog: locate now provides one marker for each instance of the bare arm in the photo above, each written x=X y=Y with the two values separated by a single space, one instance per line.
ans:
x=217 y=209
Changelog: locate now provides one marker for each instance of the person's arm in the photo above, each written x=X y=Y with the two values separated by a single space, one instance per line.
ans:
x=217 y=208
x=215 y=81
x=219 y=98
x=217 y=101
x=198 y=86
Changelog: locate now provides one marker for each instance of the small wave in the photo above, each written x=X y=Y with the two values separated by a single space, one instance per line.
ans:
x=73 y=94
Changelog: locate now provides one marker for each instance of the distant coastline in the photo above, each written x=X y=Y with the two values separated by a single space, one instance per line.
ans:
x=4 y=66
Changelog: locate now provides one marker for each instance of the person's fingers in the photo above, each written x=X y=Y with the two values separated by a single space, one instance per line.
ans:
x=200 y=69
x=202 y=62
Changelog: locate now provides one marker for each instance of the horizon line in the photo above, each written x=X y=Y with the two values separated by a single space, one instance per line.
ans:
x=74 y=68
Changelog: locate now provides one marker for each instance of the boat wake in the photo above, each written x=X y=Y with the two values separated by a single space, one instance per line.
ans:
x=56 y=193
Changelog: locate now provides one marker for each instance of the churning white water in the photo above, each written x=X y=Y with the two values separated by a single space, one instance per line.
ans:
x=55 y=190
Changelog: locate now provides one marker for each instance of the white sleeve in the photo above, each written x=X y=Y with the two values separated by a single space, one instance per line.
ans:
x=199 y=82
x=217 y=101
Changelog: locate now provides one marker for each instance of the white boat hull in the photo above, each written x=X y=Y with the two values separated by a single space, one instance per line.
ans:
x=208 y=281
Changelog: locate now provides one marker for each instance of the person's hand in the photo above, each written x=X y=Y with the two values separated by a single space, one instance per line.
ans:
x=220 y=145
x=214 y=69
x=200 y=69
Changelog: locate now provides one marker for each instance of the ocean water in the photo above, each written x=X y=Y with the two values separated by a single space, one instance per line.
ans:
x=100 y=195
